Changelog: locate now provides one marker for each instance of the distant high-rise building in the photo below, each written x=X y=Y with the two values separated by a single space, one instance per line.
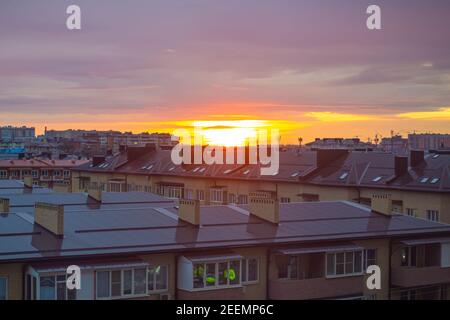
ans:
x=9 y=134
x=429 y=141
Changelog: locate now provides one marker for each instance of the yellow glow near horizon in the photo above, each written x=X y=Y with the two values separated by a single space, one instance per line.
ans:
x=442 y=113
x=327 y=116
x=229 y=133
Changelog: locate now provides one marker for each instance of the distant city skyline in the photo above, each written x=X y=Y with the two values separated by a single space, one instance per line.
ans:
x=309 y=68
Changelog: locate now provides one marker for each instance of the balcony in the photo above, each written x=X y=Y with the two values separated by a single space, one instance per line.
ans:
x=411 y=276
x=315 y=288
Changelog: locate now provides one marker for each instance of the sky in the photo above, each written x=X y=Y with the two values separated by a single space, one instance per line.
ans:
x=311 y=68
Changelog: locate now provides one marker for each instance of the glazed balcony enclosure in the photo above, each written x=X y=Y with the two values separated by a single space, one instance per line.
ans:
x=320 y=272
x=418 y=262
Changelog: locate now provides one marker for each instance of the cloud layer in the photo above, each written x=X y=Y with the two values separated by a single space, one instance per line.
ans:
x=137 y=64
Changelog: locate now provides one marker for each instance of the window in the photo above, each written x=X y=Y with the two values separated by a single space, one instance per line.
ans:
x=66 y=173
x=115 y=187
x=44 y=173
x=35 y=173
x=161 y=278
x=242 y=199
x=189 y=194
x=250 y=270
x=54 y=287
x=434 y=180
x=140 y=281
x=344 y=263
x=116 y=283
x=231 y=198
x=370 y=257
x=3 y=174
x=57 y=173
x=174 y=192
x=408 y=295
x=408 y=257
x=216 y=195
x=157 y=278
x=433 y=215
x=343 y=176
x=15 y=173
x=411 y=212
x=127 y=278
x=3 y=288
x=103 y=288
x=131 y=282
x=285 y=200
x=216 y=274
x=200 y=195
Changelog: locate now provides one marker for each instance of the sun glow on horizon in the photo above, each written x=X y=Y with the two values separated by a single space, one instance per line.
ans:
x=229 y=133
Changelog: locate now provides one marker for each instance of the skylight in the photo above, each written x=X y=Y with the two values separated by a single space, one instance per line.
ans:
x=436 y=156
x=424 y=180
x=343 y=176
x=201 y=170
x=434 y=180
x=171 y=169
x=227 y=171
x=377 y=179
x=246 y=171
x=295 y=174
x=195 y=170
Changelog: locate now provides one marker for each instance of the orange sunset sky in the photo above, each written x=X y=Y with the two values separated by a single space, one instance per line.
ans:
x=309 y=68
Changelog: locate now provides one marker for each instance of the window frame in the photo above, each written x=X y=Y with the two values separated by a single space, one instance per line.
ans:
x=6 y=287
x=433 y=214
x=344 y=263
x=246 y=261
x=216 y=285
x=56 y=281
x=216 y=195
x=122 y=283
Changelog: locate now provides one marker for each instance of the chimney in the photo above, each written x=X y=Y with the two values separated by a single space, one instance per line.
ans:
x=134 y=153
x=28 y=181
x=95 y=193
x=50 y=216
x=96 y=160
x=189 y=211
x=382 y=203
x=4 y=205
x=266 y=208
x=416 y=157
x=400 y=166
x=325 y=156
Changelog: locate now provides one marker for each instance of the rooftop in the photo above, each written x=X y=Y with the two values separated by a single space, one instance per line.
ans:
x=323 y=167
x=132 y=229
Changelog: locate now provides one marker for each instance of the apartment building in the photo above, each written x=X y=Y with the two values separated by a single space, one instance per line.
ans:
x=429 y=141
x=142 y=246
x=9 y=134
x=419 y=183
x=47 y=173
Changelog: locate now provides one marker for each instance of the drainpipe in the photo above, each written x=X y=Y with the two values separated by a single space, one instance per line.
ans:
x=267 y=273
x=390 y=269
x=175 y=294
